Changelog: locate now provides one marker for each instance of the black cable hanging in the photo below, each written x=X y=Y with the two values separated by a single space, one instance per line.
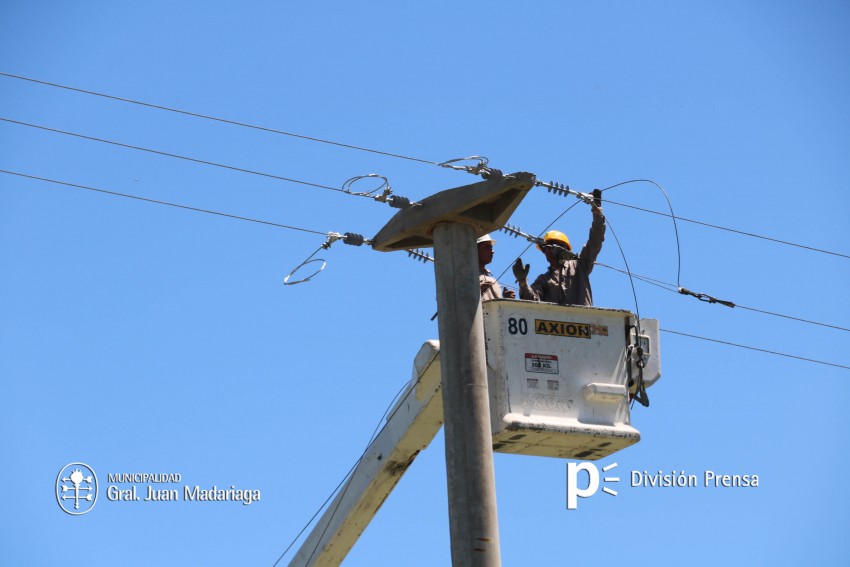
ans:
x=385 y=196
x=773 y=352
x=713 y=300
x=159 y=202
x=216 y=119
x=382 y=423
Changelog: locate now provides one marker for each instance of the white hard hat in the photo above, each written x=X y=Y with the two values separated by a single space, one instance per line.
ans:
x=486 y=238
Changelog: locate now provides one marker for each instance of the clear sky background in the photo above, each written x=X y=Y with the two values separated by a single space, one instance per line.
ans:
x=136 y=337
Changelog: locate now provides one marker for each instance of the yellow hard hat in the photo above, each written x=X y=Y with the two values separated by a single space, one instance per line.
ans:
x=556 y=236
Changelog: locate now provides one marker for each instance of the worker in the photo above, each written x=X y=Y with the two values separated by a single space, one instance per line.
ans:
x=567 y=281
x=490 y=288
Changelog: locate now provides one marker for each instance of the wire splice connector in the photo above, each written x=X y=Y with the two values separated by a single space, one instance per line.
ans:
x=705 y=297
x=332 y=237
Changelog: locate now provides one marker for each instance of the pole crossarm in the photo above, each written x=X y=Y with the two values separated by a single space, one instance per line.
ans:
x=486 y=206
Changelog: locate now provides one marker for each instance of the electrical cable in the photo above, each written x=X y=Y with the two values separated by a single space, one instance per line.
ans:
x=674 y=289
x=158 y=202
x=390 y=154
x=793 y=318
x=378 y=428
x=677 y=288
x=322 y=507
x=629 y=272
x=177 y=156
x=733 y=230
x=374 y=435
x=672 y=215
x=756 y=349
x=216 y=119
x=646 y=279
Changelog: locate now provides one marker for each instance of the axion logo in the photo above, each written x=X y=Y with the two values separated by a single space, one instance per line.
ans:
x=592 y=485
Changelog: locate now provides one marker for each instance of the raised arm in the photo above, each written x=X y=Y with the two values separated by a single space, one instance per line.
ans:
x=595 y=239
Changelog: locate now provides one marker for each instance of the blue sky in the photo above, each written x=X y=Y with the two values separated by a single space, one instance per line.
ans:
x=141 y=338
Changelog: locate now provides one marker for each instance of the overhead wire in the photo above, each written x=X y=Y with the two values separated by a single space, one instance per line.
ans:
x=159 y=202
x=360 y=148
x=172 y=155
x=374 y=433
x=372 y=438
x=322 y=507
x=733 y=230
x=672 y=215
x=401 y=156
x=382 y=423
x=629 y=272
x=674 y=289
x=756 y=349
x=217 y=119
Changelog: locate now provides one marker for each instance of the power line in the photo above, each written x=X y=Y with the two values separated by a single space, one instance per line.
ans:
x=390 y=154
x=155 y=201
x=793 y=318
x=378 y=429
x=757 y=349
x=217 y=119
x=672 y=215
x=321 y=186
x=675 y=289
x=322 y=507
x=167 y=154
x=736 y=231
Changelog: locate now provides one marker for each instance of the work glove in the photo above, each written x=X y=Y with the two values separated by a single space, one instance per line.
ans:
x=520 y=271
x=597 y=197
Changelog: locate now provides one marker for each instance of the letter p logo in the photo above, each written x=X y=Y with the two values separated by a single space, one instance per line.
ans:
x=573 y=490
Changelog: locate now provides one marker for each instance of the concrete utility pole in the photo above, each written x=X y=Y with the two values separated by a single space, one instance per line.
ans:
x=466 y=405
x=450 y=221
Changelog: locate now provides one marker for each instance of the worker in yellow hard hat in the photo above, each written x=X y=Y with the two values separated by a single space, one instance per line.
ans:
x=567 y=281
x=490 y=288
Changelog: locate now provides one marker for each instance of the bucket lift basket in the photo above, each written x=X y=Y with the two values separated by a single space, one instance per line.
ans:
x=559 y=377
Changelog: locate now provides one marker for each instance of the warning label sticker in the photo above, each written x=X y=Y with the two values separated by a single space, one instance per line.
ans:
x=562 y=329
x=542 y=363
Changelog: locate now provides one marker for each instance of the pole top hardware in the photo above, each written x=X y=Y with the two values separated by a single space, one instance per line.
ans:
x=486 y=206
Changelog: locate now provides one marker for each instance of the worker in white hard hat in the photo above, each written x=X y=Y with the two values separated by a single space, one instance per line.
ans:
x=490 y=288
x=567 y=281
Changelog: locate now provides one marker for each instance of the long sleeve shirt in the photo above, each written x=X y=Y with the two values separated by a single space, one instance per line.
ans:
x=570 y=284
x=490 y=288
